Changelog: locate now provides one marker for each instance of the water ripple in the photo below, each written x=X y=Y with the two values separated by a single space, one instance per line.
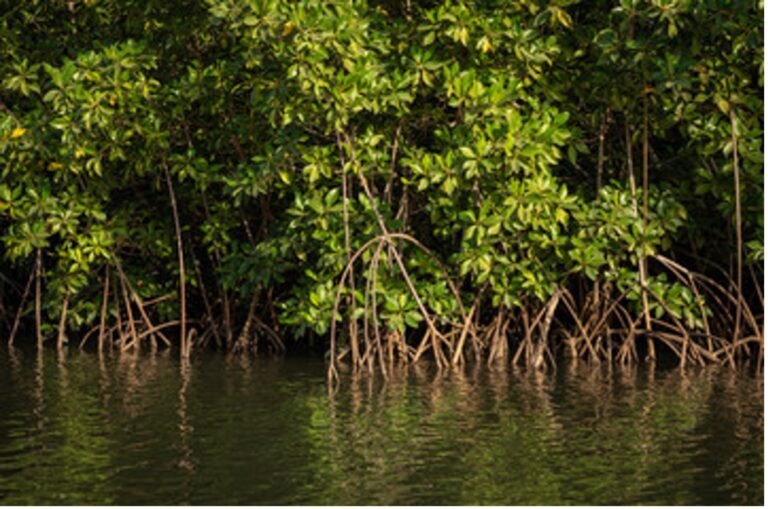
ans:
x=140 y=430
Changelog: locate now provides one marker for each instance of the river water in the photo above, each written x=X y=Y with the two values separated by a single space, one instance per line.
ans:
x=140 y=429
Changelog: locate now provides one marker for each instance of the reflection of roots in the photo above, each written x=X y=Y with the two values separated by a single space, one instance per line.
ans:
x=599 y=328
x=186 y=462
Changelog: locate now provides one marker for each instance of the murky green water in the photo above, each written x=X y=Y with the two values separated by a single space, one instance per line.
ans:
x=140 y=430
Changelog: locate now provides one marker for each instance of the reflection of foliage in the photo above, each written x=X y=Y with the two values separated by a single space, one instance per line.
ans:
x=261 y=431
x=66 y=458
x=592 y=438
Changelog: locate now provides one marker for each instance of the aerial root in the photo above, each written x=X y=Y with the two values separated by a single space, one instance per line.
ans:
x=601 y=329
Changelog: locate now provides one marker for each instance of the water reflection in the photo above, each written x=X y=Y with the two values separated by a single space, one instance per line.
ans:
x=586 y=435
x=137 y=429
x=185 y=428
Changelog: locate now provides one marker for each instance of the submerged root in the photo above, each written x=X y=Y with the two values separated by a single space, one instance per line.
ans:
x=254 y=331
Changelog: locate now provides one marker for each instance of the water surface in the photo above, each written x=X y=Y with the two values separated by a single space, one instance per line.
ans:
x=140 y=429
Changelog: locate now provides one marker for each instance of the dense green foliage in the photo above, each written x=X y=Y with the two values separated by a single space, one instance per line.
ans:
x=451 y=176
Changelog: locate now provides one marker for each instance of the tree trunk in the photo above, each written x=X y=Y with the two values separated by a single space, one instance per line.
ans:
x=185 y=347
x=737 y=198
x=38 y=299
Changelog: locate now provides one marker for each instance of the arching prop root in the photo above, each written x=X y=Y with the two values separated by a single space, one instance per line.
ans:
x=383 y=347
x=608 y=331
x=128 y=330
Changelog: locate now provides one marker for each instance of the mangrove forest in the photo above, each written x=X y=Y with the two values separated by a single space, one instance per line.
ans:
x=385 y=183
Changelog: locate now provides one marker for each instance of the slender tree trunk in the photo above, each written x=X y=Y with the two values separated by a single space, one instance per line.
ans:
x=351 y=300
x=38 y=299
x=739 y=240
x=645 y=160
x=129 y=314
x=641 y=267
x=600 y=164
x=62 y=323
x=601 y=152
x=643 y=260
x=119 y=320
x=104 y=302
x=180 y=249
